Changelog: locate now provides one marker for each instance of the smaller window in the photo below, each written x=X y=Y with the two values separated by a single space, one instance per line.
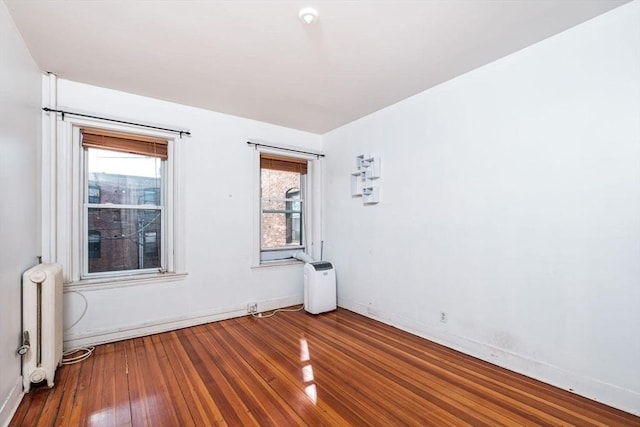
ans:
x=150 y=196
x=293 y=218
x=151 y=243
x=95 y=243
x=282 y=191
x=94 y=194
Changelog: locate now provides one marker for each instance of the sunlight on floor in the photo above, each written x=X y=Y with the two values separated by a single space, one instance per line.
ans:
x=307 y=371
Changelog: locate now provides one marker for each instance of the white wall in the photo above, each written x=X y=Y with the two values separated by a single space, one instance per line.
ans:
x=510 y=199
x=20 y=119
x=217 y=167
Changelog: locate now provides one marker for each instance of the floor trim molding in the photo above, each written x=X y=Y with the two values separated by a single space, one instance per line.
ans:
x=107 y=335
x=609 y=394
x=11 y=403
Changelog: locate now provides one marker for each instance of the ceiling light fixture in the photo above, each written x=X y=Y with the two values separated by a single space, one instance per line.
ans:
x=308 y=15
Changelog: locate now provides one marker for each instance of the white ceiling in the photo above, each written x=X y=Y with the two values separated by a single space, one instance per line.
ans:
x=255 y=59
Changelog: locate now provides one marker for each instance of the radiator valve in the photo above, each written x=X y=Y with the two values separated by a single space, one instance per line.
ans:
x=26 y=345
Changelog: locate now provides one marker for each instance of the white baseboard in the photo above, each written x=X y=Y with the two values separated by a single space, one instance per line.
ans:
x=609 y=394
x=90 y=338
x=10 y=403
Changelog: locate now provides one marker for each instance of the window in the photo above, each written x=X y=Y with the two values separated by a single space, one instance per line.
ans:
x=282 y=200
x=293 y=216
x=113 y=187
x=94 y=244
x=150 y=196
x=151 y=244
x=125 y=217
x=94 y=194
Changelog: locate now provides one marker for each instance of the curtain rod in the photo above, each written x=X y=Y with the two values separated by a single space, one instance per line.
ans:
x=71 y=113
x=257 y=144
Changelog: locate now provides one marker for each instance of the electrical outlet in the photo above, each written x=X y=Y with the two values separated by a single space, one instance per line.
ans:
x=443 y=317
x=252 y=307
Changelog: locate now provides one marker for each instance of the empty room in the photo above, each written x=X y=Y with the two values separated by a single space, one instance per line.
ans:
x=323 y=212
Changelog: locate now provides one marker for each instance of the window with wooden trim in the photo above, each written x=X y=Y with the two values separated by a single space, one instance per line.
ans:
x=128 y=210
x=282 y=206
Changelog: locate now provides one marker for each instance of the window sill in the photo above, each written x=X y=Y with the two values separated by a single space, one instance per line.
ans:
x=277 y=263
x=123 y=281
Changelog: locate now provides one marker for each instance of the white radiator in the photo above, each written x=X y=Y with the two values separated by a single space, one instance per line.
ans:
x=41 y=323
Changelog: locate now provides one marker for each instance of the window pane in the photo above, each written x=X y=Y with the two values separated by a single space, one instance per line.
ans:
x=129 y=239
x=94 y=246
x=275 y=184
x=151 y=243
x=281 y=209
x=293 y=216
x=94 y=193
x=277 y=233
x=123 y=179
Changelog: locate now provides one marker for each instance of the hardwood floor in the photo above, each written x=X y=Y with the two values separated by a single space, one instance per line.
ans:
x=293 y=369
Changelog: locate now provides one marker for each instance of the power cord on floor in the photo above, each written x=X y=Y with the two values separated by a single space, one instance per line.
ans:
x=273 y=313
x=85 y=353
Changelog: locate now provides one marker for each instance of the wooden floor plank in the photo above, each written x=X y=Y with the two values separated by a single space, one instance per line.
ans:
x=67 y=399
x=79 y=415
x=203 y=407
x=97 y=409
x=388 y=374
x=283 y=372
x=35 y=401
x=55 y=398
x=246 y=386
x=526 y=389
x=156 y=399
x=333 y=369
x=477 y=400
x=208 y=361
x=336 y=395
x=274 y=408
x=341 y=374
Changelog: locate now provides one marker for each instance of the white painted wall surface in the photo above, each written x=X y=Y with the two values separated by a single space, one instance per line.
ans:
x=510 y=199
x=218 y=219
x=20 y=119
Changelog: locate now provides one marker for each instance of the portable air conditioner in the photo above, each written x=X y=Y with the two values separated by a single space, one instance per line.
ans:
x=42 y=324
x=319 y=287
